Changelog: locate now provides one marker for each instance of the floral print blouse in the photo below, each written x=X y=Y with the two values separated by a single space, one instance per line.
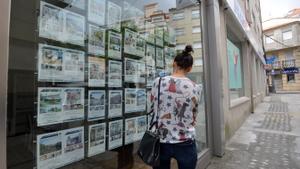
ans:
x=179 y=99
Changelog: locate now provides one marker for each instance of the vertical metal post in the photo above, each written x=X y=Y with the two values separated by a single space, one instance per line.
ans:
x=211 y=39
x=4 y=46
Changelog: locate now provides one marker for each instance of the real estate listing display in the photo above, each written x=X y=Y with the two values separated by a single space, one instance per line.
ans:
x=97 y=139
x=83 y=47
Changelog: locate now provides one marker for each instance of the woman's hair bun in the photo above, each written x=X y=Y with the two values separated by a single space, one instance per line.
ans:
x=188 y=49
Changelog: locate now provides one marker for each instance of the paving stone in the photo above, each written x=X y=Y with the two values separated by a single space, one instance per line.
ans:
x=275 y=146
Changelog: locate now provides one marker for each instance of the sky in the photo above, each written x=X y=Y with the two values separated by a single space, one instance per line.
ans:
x=277 y=8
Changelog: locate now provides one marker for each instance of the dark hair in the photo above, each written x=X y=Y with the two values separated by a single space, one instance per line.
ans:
x=184 y=59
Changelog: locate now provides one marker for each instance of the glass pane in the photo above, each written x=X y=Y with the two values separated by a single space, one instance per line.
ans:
x=80 y=72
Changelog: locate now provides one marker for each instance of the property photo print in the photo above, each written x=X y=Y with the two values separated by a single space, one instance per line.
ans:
x=75 y=28
x=73 y=65
x=130 y=100
x=115 y=103
x=131 y=70
x=96 y=41
x=50 y=102
x=114 y=16
x=141 y=127
x=50 y=63
x=49 y=150
x=115 y=134
x=130 y=39
x=51 y=23
x=130 y=130
x=141 y=100
x=115 y=74
x=150 y=55
x=96 y=107
x=73 y=145
x=96 y=11
x=96 y=77
x=159 y=57
x=140 y=46
x=114 y=45
x=97 y=139
x=73 y=104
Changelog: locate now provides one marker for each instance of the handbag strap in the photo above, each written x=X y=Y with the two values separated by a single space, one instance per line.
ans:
x=158 y=102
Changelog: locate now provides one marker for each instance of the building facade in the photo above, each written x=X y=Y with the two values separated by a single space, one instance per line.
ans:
x=282 y=46
x=76 y=76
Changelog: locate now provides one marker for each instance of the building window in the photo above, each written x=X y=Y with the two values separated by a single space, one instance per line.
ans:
x=179 y=31
x=235 y=70
x=287 y=35
x=196 y=29
x=197 y=45
x=180 y=46
x=198 y=62
x=157 y=19
x=178 y=16
x=269 y=39
x=195 y=14
x=291 y=78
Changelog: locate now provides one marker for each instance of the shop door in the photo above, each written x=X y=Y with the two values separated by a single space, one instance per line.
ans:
x=278 y=82
x=80 y=74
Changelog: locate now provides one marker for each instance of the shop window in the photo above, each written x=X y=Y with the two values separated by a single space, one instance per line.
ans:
x=196 y=29
x=291 y=78
x=195 y=14
x=287 y=35
x=235 y=70
x=80 y=97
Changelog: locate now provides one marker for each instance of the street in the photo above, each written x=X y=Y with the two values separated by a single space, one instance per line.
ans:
x=269 y=138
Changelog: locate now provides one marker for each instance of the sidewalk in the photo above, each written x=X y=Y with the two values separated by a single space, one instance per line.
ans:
x=269 y=139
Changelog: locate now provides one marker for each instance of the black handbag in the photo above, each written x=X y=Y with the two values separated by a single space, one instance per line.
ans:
x=149 y=149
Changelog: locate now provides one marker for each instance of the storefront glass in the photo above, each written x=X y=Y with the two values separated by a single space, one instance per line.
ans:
x=236 y=82
x=80 y=72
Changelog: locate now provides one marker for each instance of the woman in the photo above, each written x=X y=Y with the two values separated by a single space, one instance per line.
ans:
x=177 y=110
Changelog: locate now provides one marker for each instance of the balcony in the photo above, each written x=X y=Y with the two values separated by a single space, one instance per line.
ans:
x=291 y=63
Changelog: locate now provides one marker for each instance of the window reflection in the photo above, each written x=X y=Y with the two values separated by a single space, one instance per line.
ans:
x=80 y=72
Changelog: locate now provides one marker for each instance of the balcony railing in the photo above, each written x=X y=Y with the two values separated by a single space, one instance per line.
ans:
x=289 y=63
x=283 y=64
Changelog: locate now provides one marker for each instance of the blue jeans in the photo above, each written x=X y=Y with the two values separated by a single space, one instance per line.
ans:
x=185 y=154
